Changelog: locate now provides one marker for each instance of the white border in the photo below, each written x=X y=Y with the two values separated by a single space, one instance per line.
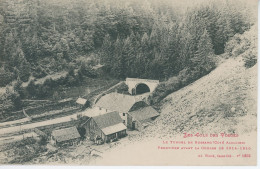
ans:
x=159 y=167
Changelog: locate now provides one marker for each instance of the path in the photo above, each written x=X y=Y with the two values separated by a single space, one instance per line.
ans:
x=97 y=97
x=14 y=129
x=23 y=120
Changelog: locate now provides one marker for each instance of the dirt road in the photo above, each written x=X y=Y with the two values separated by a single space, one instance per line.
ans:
x=14 y=129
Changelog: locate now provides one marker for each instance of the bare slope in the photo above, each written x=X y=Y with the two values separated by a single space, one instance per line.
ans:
x=223 y=101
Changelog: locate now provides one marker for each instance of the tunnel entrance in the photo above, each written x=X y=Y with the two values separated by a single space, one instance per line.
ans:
x=142 y=88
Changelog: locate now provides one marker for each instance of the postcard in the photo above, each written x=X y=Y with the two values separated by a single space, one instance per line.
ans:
x=128 y=82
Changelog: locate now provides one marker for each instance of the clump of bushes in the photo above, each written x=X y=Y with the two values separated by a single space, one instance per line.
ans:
x=122 y=88
x=85 y=70
x=10 y=100
x=25 y=150
x=6 y=78
x=184 y=78
x=39 y=72
x=47 y=89
x=244 y=45
x=250 y=58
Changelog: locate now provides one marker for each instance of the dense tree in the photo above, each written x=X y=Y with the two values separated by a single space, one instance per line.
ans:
x=171 y=41
x=146 y=39
x=203 y=60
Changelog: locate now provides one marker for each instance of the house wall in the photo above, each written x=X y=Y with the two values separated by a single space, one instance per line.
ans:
x=67 y=142
x=124 y=118
x=121 y=114
x=92 y=130
x=129 y=121
x=138 y=126
x=146 y=120
x=119 y=134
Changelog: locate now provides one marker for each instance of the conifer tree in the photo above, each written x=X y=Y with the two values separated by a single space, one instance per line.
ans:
x=202 y=61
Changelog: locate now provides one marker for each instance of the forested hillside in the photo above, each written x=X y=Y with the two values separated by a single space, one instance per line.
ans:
x=145 y=39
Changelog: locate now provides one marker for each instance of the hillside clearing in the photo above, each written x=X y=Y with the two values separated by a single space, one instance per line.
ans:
x=206 y=104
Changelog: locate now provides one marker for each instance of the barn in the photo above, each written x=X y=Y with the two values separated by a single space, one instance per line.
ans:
x=65 y=136
x=105 y=128
x=141 y=117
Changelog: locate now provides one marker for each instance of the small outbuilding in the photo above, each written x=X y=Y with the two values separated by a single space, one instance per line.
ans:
x=105 y=128
x=65 y=136
x=82 y=103
x=141 y=118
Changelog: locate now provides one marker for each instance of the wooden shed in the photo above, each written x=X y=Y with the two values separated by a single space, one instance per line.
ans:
x=65 y=136
x=105 y=128
x=82 y=103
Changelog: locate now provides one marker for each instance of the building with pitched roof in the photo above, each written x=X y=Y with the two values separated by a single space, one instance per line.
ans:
x=141 y=117
x=95 y=111
x=120 y=103
x=105 y=127
x=65 y=136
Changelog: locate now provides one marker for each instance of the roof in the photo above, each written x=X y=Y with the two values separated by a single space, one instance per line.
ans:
x=144 y=113
x=65 y=134
x=114 y=128
x=116 y=102
x=95 y=111
x=138 y=105
x=81 y=101
x=108 y=119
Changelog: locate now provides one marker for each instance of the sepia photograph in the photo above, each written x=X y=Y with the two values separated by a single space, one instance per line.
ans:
x=128 y=82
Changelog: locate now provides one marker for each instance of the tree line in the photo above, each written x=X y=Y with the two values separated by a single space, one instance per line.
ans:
x=141 y=39
x=147 y=39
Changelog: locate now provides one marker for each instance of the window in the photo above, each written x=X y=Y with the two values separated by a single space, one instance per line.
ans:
x=123 y=121
x=123 y=114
